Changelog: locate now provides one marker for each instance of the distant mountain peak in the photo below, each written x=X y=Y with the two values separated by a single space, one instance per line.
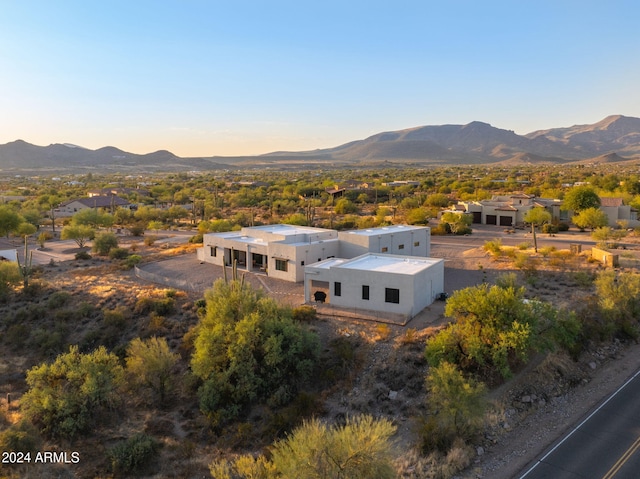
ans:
x=613 y=139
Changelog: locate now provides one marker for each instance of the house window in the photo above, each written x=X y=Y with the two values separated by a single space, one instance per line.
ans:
x=365 y=291
x=301 y=263
x=416 y=244
x=384 y=249
x=214 y=251
x=400 y=246
x=281 y=264
x=337 y=289
x=391 y=295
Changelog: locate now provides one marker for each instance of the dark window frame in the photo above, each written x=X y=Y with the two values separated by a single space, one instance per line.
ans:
x=365 y=292
x=337 y=288
x=392 y=295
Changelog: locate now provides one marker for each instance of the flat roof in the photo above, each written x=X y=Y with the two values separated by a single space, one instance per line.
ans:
x=385 y=229
x=285 y=230
x=384 y=263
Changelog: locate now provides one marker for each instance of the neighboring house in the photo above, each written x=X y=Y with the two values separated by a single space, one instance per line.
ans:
x=115 y=191
x=616 y=210
x=69 y=208
x=402 y=183
x=396 y=284
x=283 y=251
x=9 y=255
x=509 y=210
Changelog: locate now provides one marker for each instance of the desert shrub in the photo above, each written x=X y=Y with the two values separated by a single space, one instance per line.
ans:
x=546 y=251
x=383 y=331
x=441 y=230
x=456 y=404
x=494 y=329
x=118 y=253
x=162 y=306
x=248 y=349
x=150 y=240
x=104 y=242
x=58 y=299
x=21 y=437
x=198 y=239
x=16 y=335
x=114 y=318
x=524 y=246
x=304 y=313
x=150 y=366
x=550 y=228
x=131 y=456
x=563 y=227
x=494 y=247
x=317 y=450
x=44 y=237
x=9 y=277
x=82 y=255
x=66 y=398
x=136 y=230
x=132 y=260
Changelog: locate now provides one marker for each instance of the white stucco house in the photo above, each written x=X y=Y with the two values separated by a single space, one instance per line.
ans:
x=9 y=255
x=282 y=251
x=402 y=285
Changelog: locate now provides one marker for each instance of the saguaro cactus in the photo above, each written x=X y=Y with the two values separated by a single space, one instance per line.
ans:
x=25 y=268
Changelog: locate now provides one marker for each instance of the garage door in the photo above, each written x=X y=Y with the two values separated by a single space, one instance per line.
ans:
x=506 y=221
x=492 y=220
x=477 y=217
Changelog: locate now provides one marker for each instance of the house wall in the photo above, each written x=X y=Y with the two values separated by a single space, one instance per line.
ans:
x=416 y=291
x=298 y=256
x=402 y=242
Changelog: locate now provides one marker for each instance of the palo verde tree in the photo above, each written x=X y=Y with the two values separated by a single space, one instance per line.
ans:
x=456 y=407
x=67 y=397
x=494 y=328
x=150 y=366
x=537 y=217
x=360 y=449
x=78 y=233
x=248 y=350
x=590 y=218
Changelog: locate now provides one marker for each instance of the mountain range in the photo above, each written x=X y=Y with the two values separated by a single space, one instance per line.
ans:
x=614 y=139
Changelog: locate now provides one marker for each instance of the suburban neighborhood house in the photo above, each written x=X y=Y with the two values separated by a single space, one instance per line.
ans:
x=401 y=285
x=286 y=252
x=617 y=211
x=69 y=208
x=510 y=210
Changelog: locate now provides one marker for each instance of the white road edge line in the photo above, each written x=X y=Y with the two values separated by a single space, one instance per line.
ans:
x=580 y=425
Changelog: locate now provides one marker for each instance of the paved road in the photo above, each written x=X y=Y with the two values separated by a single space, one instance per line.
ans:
x=605 y=445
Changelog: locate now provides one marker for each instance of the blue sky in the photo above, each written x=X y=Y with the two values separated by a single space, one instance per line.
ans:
x=204 y=78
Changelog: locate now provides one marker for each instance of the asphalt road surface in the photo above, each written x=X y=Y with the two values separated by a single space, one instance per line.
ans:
x=605 y=445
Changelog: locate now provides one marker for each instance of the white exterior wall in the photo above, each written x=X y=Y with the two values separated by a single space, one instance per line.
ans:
x=396 y=240
x=417 y=289
x=296 y=254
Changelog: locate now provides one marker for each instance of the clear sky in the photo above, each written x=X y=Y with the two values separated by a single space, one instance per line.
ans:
x=233 y=77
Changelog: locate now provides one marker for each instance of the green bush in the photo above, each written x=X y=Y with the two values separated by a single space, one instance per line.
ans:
x=305 y=313
x=66 y=398
x=132 y=260
x=198 y=238
x=550 y=228
x=118 y=253
x=104 y=242
x=150 y=240
x=58 y=299
x=131 y=456
x=83 y=255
